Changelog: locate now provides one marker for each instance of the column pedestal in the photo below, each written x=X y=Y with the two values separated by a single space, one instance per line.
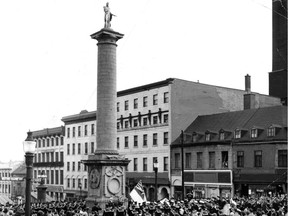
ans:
x=106 y=179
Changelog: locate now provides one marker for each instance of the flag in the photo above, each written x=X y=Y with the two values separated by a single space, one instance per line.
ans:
x=137 y=194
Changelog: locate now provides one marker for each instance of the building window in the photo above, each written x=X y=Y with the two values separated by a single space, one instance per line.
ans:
x=118 y=125
x=48 y=177
x=48 y=142
x=224 y=155
x=79 y=183
x=126 y=142
x=194 y=137
x=73 y=183
x=155 y=119
x=240 y=158
x=135 y=164
x=135 y=141
x=165 y=138
x=61 y=177
x=165 y=118
x=165 y=164
x=52 y=141
x=79 y=166
x=145 y=142
x=166 y=97
x=52 y=176
x=43 y=157
x=79 y=148
x=68 y=149
x=43 y=143
x=188 y=160
x=73 y=166
x=282 y=158
x=199 y=159
x=61 y=141
x=222 y=135
x=86 y=148
x=135 y=105
x=211 y=160
x=92 y=129
x=85 y=183
x=47 y=157
x=126 y=105
x=237 y=134
x=254 y=133
x=68 y=182
x=155 y=99
x=68 y=166
x=39 y=143
x=145 y=164
x=56 y=176
x=118 y=143
x=145 y=121
x=145 y=101
x=135 y=122
x=118 y=107
x=92 y=147
x=271 y=132
x=73 y=149
x=177 y=160
x=73 y=132
x=57 y=141
x=155 y=138
x=61 y=156
x=85 y=130
x=258 y=158
x=126 y=124
x=68 y=132
x=79 y=131
x=207 y=137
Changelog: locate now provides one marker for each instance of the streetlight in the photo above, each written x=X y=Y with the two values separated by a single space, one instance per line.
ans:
x=156 y=166
x=29 y=148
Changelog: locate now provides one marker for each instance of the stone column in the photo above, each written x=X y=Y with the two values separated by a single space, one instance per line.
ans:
x=106 y=90
x=106 y=168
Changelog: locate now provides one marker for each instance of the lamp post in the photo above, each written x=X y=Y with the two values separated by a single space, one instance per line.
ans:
x=155 y=166
x=29 y=148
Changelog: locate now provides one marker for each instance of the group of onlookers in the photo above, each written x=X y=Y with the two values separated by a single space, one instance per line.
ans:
x=216 y=206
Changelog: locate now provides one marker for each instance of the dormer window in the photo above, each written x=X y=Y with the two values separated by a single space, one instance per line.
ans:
x=207 y=137
x=271 y=132
x=194 y=137
x=254 y=133
x=222 y=135
x=237 y=134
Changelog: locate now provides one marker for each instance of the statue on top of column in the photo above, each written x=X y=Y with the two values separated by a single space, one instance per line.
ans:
x=108 y=16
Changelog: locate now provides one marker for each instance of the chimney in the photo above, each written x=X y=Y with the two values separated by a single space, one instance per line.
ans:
x=249 y=98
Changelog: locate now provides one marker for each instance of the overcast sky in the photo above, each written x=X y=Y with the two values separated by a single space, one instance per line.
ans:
x=49 y=62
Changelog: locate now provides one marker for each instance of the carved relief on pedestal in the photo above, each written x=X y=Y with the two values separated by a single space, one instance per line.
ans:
x=94 y=178
x=114 y=180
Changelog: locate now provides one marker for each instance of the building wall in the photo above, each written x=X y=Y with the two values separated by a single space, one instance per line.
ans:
x=78 y=175
x=5 y=181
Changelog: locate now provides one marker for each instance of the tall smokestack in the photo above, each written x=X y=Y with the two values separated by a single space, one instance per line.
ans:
x=249 y=98
x=248 y=83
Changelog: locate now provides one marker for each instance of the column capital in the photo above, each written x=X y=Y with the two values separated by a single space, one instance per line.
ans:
x=107 y=35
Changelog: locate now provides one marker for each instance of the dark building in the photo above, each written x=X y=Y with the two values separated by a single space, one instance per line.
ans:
x=278 y=76
x=250 y=144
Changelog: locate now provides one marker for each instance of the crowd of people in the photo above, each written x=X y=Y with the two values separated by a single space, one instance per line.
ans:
x=262 y=206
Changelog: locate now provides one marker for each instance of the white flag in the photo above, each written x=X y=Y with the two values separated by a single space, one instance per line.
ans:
x=137 y=194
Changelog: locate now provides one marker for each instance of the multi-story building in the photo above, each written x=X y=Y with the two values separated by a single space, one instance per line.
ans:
x=80 y=140
x=5 y=181
x=148 y=118
x=153 y=115
x=49 y=160
x=242 y=152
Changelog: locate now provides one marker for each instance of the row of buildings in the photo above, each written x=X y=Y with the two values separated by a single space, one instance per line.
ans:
x=208 y=140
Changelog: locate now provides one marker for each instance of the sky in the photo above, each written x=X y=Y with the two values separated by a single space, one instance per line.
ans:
x=48 y=61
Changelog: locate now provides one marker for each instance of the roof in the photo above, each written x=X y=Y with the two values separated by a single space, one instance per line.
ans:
x=245 y=120
x=20 y=170
x=49 y=132
x=84 y=115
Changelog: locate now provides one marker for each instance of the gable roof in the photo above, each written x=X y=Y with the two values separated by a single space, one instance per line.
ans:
x=243 y=120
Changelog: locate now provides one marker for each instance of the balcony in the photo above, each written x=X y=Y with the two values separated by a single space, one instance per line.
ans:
x=49 y=164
